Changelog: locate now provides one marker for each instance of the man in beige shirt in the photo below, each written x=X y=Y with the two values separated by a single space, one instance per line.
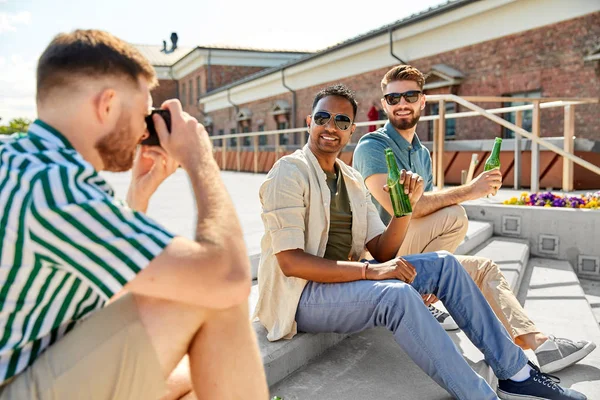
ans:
x=319 y=218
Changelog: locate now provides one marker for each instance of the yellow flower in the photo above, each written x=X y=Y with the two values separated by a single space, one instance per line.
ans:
x=524 y=194
x=506 y=202
x=547 y=205
x=513 y=200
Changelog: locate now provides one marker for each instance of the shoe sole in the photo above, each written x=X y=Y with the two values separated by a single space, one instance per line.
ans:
x=511 y=396
x=568 y=360
x=450 y=327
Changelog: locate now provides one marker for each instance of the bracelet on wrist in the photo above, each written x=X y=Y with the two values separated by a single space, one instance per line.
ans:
x=364 y=270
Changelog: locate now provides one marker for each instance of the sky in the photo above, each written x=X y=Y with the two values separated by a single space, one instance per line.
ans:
x=27 y=26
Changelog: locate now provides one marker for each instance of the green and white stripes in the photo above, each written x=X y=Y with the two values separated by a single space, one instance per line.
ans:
x=66 y=246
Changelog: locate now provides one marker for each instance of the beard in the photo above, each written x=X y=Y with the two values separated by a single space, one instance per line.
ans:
x=403 y=124
x=117 y=149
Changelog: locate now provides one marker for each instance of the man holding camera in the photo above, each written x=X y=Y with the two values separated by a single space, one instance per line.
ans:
x=99 y=301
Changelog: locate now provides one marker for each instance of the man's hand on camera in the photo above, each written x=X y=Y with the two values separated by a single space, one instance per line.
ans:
x=152 y=165
x=188 y=141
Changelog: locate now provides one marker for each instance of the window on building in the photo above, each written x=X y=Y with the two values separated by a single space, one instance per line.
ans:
x=198 y=88
x=233 y=140
x=247 y=140
x=527 y=114
x=183 y=95
x=283 y=137
x=191 y=92
x=220 y=141
x=450 y=123
x=262 y=140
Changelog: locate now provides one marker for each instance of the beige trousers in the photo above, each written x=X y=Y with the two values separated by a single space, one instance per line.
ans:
x=444 y=230
x=107 y=356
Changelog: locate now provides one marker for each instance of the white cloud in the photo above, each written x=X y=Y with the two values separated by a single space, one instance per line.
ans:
x=17 y=87
x=9 y=21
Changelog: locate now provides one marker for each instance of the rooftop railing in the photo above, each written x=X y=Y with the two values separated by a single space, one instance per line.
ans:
x=439 y=122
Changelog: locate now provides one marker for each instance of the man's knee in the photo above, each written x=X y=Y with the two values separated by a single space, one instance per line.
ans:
x=398 y=299
x=449 y=261
x=458 y=216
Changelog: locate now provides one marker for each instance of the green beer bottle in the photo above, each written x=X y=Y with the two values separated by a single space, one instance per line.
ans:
x=400 y=201
x=493 y=160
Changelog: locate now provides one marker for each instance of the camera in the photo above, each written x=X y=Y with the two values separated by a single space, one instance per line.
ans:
x=152 y=139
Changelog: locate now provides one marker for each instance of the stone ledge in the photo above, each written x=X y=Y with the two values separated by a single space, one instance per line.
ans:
x=477 y=233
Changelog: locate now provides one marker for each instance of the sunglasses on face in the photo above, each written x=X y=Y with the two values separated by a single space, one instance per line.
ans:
x=342 y=121
x=394 y=98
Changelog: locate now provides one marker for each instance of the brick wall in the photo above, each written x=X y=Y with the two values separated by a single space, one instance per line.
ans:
x=190 y=82
x=261 y=115
x=166 y=89
x=220 y=75
x=548 y=59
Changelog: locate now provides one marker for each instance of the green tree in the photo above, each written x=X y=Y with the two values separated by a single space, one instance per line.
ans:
x=15 y=125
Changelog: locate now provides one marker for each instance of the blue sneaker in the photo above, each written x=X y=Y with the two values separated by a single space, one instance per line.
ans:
x=539 y=386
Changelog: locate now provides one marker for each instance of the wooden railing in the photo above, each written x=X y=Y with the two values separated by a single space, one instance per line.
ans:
x=536 y=141
x=439 y=120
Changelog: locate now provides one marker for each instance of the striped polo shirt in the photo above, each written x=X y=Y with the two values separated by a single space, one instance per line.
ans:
x=66 y=245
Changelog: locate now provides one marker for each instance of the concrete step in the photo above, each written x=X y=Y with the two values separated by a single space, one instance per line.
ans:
x=592 y=294
x=371 y=365
x=477 y=234
x=557 y=233
x=283 y=357
x=510 y=254
x=555 y=301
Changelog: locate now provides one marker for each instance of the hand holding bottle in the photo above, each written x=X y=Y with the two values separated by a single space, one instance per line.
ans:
x=486 y=183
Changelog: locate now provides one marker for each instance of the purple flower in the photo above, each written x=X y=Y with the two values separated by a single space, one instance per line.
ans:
x=548 y=196
x=558 y=202
x=533 y=198
x=576 y=201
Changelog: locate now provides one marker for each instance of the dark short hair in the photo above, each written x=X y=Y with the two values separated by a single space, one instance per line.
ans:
x=337 y=90
x=85 y=53
x=403 y=73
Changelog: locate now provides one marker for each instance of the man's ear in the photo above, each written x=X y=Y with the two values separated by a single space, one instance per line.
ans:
x=308 y=121
x=423 y=101
x=352 y=129
x=106 y=105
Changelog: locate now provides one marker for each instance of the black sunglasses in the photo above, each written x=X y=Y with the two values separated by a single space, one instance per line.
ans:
x=342 y=121
x=394 y=98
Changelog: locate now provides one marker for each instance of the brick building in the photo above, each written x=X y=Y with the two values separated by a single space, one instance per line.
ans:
x=524 y=48
x=188 y=73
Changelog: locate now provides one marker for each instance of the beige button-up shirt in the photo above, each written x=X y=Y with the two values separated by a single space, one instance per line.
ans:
x=295 y=212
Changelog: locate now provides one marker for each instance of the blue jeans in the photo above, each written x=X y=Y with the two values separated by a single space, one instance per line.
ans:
x=355 y=306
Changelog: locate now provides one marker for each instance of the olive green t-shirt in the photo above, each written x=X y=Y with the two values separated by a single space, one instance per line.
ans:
x=340 y=225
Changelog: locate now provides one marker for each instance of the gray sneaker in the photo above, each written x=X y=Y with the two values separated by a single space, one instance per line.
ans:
x=443 y=318
x=558 y=353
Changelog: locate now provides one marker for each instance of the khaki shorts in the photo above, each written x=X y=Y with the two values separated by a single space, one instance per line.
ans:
x=107 y=356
